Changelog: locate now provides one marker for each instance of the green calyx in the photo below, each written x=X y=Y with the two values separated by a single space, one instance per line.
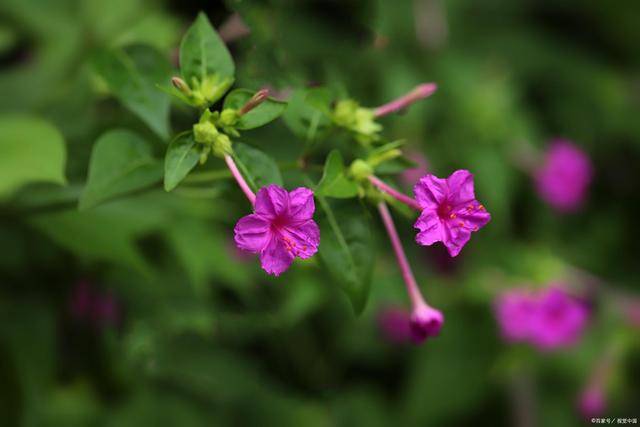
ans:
x=206 y=132
x=209 y=90
x=360 y=170
x=350 y=115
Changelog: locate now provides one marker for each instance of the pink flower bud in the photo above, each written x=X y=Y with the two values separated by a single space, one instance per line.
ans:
x=425 y=322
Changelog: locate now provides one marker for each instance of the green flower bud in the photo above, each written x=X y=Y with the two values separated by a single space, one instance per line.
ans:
x=212 y=87
x=348 y=114
x=205 y=132
x=228 y=117
x=222 y=145
x=360 y=170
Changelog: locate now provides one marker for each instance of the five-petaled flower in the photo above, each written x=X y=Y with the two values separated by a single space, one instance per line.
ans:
x=281 y=228
x=450 y=211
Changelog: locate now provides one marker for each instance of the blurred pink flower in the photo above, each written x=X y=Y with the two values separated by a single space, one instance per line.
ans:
x=411 y=176
x=393 y=323
x=547 y=319
x=592 y=402
x=515 y=310
x=560 y=319
x=564 y=177
x=88 y=304
x=281 y=228
x=450 y=211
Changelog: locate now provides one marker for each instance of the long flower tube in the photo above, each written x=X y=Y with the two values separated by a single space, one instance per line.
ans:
x=425 y=320
x=386 y=188
x=419 y=92
x=240 y=179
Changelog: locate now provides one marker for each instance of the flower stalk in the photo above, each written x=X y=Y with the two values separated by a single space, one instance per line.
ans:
x=386 y=188
x=240 y=179
x=419 y=92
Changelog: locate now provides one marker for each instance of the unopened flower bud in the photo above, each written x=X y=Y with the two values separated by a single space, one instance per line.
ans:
x=425 y=322
x=257 y=99
x=228 y=117
x=360 y=170
x=205 y=132
x=181 y=85
x=222 y=146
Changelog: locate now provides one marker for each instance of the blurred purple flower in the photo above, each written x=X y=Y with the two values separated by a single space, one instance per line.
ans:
x=547 y=319
x=411 y=176
x=394 y=325
x=560 y=319
x=515 y=310
x=564 y=177
x=88 y=304
x=450 y=211
x=592 y=402
x=281 y=228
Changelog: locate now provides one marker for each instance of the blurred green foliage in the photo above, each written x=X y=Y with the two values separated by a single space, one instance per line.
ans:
x=205 y=337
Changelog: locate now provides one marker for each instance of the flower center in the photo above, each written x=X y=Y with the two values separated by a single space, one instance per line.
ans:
x=444 y=210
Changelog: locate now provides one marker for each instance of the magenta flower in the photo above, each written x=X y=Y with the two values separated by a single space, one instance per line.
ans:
x=281 y=228
x=515 y=310
x=394 y=324
x=450 y=211
x=547 y=319
x=592 y=403
x=564 y=177
x=559 y=319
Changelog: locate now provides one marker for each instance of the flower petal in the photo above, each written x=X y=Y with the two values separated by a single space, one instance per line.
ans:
x=271 y=201
x=430 y=228
x=275 y=258
x=460 y=185
x=301 y=204
x=472 y=215
x=456 y=236
x=302 y=240
x=252 y=233
x=430 y=191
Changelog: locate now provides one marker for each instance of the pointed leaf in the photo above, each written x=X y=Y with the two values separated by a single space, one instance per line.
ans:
x=334 y=182
x=132 y=75
x=203 y=53
x=347 y=248
x=121 y=162
x=32 y=151
x=182 y=156
x=264 y=113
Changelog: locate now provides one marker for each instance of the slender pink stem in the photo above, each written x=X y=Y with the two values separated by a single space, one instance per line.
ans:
x=394 y=193
x=412 y=287
x=238 y=176
x=419 y=92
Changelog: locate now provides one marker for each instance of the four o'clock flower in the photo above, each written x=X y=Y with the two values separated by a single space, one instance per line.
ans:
x=564 y=177
x=280 y=229
x=547 y=319
x=450 y=211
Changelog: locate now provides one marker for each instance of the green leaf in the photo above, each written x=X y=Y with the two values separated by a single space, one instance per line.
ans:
x=182 y=156
x=32 y=149
x=334 y=182
x=257 y=167
x=308 y=113
x=269 y=110
x=203 y=53
x=347 y=249
x=121 y=162
x=132 y=75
